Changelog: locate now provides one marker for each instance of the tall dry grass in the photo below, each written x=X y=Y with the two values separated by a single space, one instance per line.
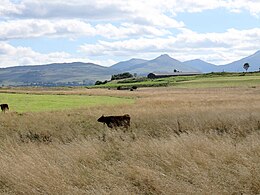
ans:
x=203 y=141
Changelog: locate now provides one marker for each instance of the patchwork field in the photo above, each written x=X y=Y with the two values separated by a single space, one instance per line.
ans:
x=186 y=141
x=199 y=81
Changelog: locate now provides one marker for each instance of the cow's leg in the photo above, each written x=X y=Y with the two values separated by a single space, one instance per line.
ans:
x=133 y=135
x=110 y=125
x=103 y=137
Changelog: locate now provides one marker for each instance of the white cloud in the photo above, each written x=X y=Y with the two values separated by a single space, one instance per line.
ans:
x=13 y=56
x=176 y=6
x=73 y=28
x=253 y=6
x=135 y=28
x=151 y=11
x=8 y=8
x=133 y=11
x=214 y=47
x=76 y=17
x=36 y=28
x=127 y=30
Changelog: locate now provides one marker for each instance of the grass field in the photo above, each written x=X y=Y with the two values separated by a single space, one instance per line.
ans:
x=181 y=141
x=199 y=81
x=44 y=102
x=236 y=81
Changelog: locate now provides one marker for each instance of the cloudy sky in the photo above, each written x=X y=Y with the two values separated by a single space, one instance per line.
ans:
x=107 y=31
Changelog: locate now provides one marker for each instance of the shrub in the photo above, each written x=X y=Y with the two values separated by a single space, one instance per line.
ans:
x=100 y=82
x=121 y=76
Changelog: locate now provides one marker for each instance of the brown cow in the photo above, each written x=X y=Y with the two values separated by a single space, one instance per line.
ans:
x=4 y=107
x=115 y=121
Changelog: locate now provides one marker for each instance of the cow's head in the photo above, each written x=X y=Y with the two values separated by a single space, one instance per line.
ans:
x=101 y=119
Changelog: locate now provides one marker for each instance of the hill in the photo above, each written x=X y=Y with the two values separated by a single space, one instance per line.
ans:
x=166 y=64
x=127 y=65
x=75 y=73
x=78 y=73
x=237 y=66
x=163 y=63
x=202 y=66
x=209 y=80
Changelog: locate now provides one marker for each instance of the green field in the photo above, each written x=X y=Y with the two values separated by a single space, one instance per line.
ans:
x=235 y=81
x=199 y=81
x=37 y=103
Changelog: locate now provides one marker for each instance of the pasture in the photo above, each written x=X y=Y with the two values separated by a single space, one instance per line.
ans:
x=181 y=140
x=199 y=81
x=45 y=102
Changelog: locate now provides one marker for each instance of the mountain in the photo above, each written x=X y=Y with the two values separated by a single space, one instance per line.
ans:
x=202 y=66
x=161 y=64
x=78 y=73
x=237 y=66
x=126 y=65
x=58 y=73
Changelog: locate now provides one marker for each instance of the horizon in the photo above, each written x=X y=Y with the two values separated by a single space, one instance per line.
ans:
x=104 y=33
x=119 y=61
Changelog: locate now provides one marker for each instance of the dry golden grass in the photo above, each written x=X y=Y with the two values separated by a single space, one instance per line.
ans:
x=189 y=141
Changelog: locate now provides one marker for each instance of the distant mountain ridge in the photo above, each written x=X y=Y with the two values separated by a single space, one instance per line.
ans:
x=202 y=66
x=163 y=63
x=79 y=73
x=125 y=65
x=75 y=73
x=237 y=66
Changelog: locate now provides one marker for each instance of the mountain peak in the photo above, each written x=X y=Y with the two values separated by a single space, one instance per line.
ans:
x=195 y=60
x=164 y=56
x=257 y=52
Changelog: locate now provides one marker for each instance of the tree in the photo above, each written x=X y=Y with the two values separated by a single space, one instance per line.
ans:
x=246 y=66
x=100 y=82
x=121 y=76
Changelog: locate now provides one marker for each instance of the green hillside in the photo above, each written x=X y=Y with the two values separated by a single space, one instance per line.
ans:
x=198 y=81
x=55 y=74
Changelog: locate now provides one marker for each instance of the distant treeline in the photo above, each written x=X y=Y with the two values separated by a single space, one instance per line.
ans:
x=121 y=76
x=124 y=75
x=58 y=84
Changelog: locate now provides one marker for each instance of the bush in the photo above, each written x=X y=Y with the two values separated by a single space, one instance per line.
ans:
x=100 y=82
x=121 y=76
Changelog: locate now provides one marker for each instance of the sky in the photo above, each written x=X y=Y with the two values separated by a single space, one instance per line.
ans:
x=35 y=32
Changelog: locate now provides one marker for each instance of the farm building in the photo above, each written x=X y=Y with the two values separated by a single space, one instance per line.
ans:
x=163 y=75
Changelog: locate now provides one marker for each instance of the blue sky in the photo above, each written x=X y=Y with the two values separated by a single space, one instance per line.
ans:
x=105 y=32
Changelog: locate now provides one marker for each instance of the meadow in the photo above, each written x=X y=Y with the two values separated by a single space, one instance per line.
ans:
x=222 y=79
x=181 y=141
x=44 y=102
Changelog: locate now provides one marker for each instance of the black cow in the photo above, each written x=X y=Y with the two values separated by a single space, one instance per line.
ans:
x=115 y=121
x=4 y=107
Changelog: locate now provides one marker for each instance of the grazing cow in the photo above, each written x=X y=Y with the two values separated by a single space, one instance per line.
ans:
x=115 y=121
x=4 y=107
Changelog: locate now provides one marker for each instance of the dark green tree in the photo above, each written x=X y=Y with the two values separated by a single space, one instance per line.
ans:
x=246 y=66
x=121 y=76
x=98 y=82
